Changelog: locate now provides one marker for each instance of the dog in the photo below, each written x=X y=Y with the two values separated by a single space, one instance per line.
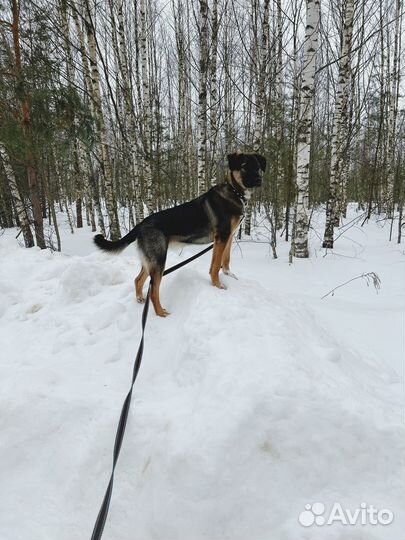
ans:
x=211 y=217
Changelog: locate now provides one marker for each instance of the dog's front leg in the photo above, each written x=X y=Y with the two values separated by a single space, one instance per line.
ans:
x=218 y=251
x=226 y=257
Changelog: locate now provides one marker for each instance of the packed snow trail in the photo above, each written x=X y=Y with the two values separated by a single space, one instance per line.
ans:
x=249 y=404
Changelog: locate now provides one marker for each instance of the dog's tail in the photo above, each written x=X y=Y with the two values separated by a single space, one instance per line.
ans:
x=118 y=245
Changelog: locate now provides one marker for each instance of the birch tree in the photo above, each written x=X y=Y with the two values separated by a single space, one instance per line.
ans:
x=104 y=154
x=184 y=148
x=213 y=90
x=202 y=96
x=79 y=160
x=261 y=69
x=92 y=186
x=147 y=112
x=305 y=128
x=340 y=123
x=393 y=98
x=130 y=122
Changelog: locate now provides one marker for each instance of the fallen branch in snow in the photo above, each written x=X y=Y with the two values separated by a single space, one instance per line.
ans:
x=370 y=277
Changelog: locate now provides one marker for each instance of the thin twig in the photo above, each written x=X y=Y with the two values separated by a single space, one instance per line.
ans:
x=370 y=277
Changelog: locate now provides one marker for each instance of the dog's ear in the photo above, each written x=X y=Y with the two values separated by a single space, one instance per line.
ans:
x=262 y=161
x=234 y=161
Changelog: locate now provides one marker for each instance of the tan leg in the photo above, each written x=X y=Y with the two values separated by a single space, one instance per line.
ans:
x=154 y=295
x=226 y=256
x=139 y=283
x=217 y=253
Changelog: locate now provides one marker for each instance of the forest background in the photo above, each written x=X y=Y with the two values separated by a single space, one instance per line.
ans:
x=111 y=110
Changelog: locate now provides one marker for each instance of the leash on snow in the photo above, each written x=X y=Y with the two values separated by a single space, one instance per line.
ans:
x=103 y=512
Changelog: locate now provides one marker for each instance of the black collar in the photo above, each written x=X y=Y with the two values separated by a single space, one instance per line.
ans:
x=239 y=192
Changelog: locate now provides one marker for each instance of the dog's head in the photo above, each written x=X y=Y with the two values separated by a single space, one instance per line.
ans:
x=247 y=169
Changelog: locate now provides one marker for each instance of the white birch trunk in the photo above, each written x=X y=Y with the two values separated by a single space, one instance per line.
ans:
x=261 y=69
x=202 y=96
x=147 y=116
x=103 y=137
x=91 y=185
x=228 y=108
x=70 y=74
x=340 y=125
x=393 y=109
x=305 y=128
x=129 y=113
x=182 y=85
x=213 y=91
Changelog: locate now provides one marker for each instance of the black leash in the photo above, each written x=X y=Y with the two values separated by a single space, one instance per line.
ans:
x=103 y=512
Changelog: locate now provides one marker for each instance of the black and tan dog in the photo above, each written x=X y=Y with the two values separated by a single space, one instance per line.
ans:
x=211 y=217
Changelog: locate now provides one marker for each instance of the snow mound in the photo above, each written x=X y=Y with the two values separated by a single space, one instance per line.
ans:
x=83 y=278
x=251 y=403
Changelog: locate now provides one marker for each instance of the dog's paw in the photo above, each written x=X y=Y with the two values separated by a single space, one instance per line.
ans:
x=162 y=313
x=229 y=273
x=219 y=285
x=140 y=299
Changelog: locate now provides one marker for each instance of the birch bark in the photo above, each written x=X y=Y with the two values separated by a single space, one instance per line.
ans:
x=305 y=128
x=129 y=112
x=79 y=173
x=103 y=136
x=92 y=188
x=202 y=96
x=147 y=111
x=340 y=124
x=393 y=108
x=261 y=71
x=213 y=91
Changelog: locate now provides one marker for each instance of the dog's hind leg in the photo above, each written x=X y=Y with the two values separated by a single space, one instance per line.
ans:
x=153 y=246
x=139 y=283
x=156 y=277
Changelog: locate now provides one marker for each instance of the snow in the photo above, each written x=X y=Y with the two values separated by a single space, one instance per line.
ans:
x=250 y=402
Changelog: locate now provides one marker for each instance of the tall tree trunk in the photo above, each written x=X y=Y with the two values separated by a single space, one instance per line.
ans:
x=295 y=108
x=261 y=69
x=26 y=127
x=393 y=109
x=214 y=123
x=78 y=174
x=229 y=134
x=129 y=113
x=340 y=124
x=91 y=185
x=147 y=110
x=19 y=205
x=202 y=96
x=103 y=136
x=305 y=129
